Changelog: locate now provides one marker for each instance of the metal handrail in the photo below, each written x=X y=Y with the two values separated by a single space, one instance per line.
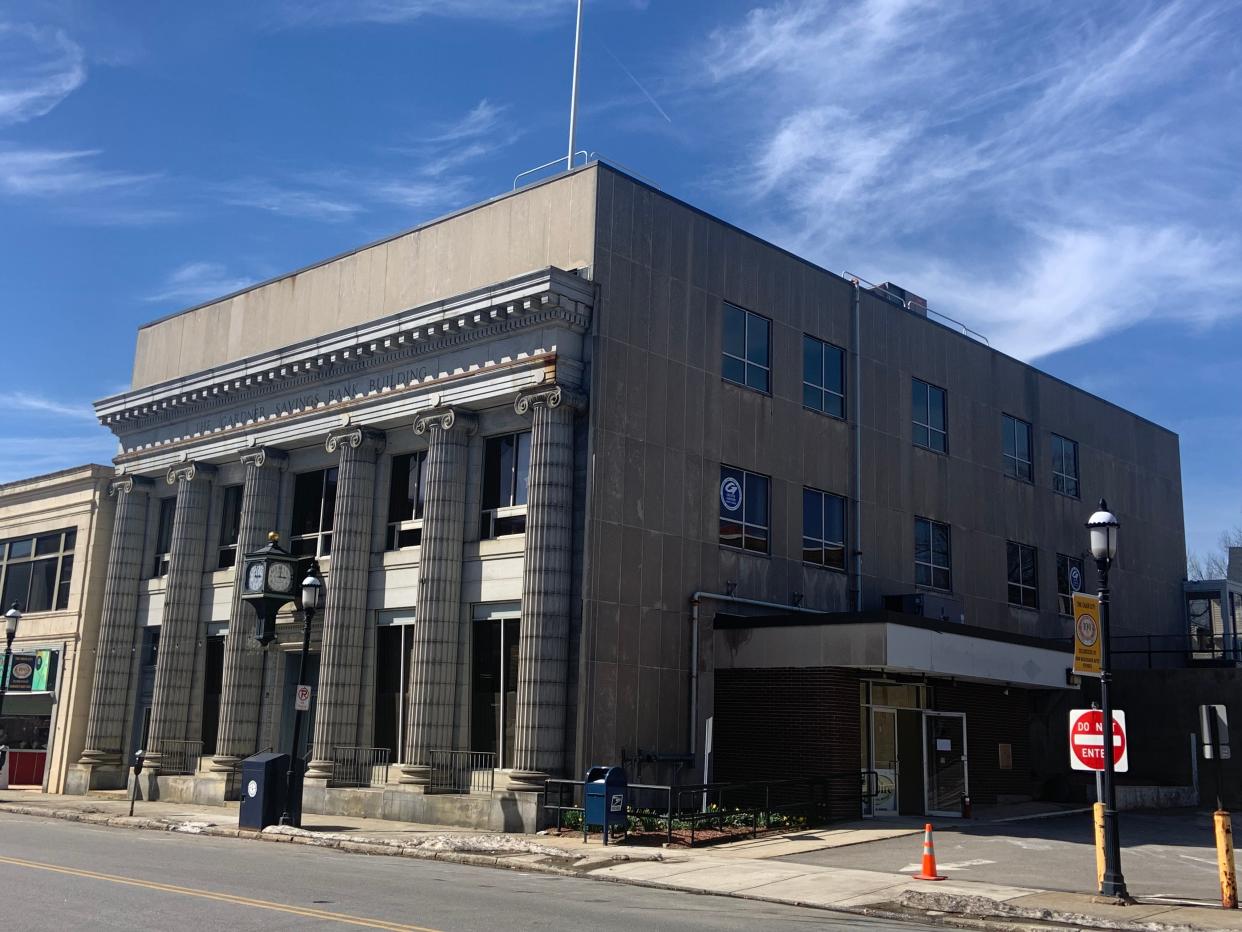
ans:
x=359 y=766
x=464 y=772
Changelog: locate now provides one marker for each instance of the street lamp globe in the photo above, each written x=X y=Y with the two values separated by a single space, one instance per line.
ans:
x=312 y=589
x=1103 y=527
x=11 y=618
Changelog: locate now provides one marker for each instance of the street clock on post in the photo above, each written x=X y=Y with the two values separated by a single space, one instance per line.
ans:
x=271 y=576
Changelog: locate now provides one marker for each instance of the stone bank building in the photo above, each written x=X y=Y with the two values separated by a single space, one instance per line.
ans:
x=594 y=477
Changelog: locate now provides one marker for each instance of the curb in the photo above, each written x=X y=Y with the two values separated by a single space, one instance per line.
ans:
x=964 y=912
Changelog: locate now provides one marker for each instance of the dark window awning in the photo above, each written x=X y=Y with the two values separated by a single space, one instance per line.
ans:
x=890 y=642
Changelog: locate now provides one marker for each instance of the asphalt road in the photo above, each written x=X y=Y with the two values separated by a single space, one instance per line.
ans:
x=56 y=874
x=1165 y=855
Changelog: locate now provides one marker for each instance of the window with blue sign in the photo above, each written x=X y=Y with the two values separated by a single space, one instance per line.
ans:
x=823 y=376
x=823 y=529
x=746 y=352
x=744 y=510
x=1069 y=581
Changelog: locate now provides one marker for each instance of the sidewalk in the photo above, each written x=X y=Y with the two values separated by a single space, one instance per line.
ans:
x=742 y=869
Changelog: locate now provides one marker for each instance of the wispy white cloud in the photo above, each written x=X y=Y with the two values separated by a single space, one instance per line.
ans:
x=39 y=404
x=319 y=12
x=481 y=119
x=198 y=281
x=22 y=457
x=288 y=201
x=1027 y=168
x=38 y=69
x=54 y=173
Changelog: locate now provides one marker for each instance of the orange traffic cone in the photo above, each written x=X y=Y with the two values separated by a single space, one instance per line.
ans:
x=929 y=857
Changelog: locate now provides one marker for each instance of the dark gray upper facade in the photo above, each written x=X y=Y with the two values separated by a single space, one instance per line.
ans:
x=663 y=420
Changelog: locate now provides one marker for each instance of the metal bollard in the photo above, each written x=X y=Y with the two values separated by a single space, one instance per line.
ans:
x=1224 y=860
x=1097 y=812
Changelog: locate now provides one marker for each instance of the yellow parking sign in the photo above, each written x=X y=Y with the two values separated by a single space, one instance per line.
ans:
x=1087 y=643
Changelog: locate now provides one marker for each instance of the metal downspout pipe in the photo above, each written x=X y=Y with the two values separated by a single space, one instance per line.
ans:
x=856 y=429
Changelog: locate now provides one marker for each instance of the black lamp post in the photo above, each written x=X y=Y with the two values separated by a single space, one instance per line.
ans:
x=11 y=618
x=312 y=596
x=1103 y=527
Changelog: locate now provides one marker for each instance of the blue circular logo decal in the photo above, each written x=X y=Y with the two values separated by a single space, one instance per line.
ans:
x=1075 y=579
x=730 y=493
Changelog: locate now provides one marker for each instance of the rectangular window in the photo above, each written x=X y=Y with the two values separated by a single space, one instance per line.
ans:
x=744 y=521
x=745 y=351
x=823 y=376
x=230 y=525
x=314 y=509
x=1065 y=465
x=405 y=501
x=1023 y=575
x=506 y=476
x=163 y=536
x=35 y=572
x=1017 y=440
x=1069 y=581
x=823 y=529
x=929 y=415
x=933 y=563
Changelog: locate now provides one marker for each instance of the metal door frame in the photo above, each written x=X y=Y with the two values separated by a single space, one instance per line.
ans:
x=891 y=710
x=926 y=760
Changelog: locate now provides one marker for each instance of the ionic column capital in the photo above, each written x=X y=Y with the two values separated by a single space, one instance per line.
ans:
x=123 y=485
x=550 y=396
x=259 y=457
x=445 y=419
x=356 y=437
x=188 y=472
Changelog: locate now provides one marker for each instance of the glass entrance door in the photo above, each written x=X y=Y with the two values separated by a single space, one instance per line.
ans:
x=493 y=706
x=944 y=762
x=884 y=760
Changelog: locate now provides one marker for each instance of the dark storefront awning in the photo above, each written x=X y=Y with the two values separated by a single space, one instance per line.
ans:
x=889 y=642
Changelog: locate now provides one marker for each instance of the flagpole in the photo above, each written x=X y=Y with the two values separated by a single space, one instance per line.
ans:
x=573 y=94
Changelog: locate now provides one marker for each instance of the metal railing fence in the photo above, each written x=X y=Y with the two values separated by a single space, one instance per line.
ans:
x=816 y=799
x=358 y=766
x=179 y=758
x=462 y=771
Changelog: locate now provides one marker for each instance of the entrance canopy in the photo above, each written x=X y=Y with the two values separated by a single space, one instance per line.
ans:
x=890 y=642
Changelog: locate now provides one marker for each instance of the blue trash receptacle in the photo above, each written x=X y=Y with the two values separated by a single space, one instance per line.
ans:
x=264 y=779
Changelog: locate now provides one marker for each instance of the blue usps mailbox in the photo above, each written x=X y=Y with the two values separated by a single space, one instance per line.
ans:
x=605 y=800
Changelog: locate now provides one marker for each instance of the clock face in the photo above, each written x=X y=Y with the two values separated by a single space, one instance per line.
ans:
x=255 y=573
x=280 y=577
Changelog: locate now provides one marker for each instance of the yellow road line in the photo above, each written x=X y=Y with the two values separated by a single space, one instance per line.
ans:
x=221 y=897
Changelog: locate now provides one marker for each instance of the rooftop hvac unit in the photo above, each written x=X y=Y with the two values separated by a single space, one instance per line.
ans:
x=926 y=605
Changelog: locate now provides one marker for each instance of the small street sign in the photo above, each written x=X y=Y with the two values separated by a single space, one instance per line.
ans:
x=301 y=701
x=1086 y=740
x=1088 y=647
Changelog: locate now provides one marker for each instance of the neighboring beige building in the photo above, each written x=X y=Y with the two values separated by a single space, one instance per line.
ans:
x=54 y=535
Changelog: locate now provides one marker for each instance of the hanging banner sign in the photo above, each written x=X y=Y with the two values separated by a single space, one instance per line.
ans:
x=33 y=672
x=1088 y=646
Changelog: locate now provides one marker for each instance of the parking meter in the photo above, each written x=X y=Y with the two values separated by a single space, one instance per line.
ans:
x=4 y=753
x=139 y=759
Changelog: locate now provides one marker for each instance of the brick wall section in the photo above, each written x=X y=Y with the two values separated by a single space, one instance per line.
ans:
x=992 y=718
x=785 y=724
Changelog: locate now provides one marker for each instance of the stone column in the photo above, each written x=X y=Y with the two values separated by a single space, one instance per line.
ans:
x=114 y=656
x=345 y=607
x=432 y=685
x=183 y=596
x=539 y=740
x=242 y=688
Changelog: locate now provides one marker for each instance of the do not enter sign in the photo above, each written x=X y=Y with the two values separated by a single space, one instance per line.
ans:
x=1086 y=740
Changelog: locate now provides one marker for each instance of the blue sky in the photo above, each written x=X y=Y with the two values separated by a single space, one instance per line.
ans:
x=1064 y=177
